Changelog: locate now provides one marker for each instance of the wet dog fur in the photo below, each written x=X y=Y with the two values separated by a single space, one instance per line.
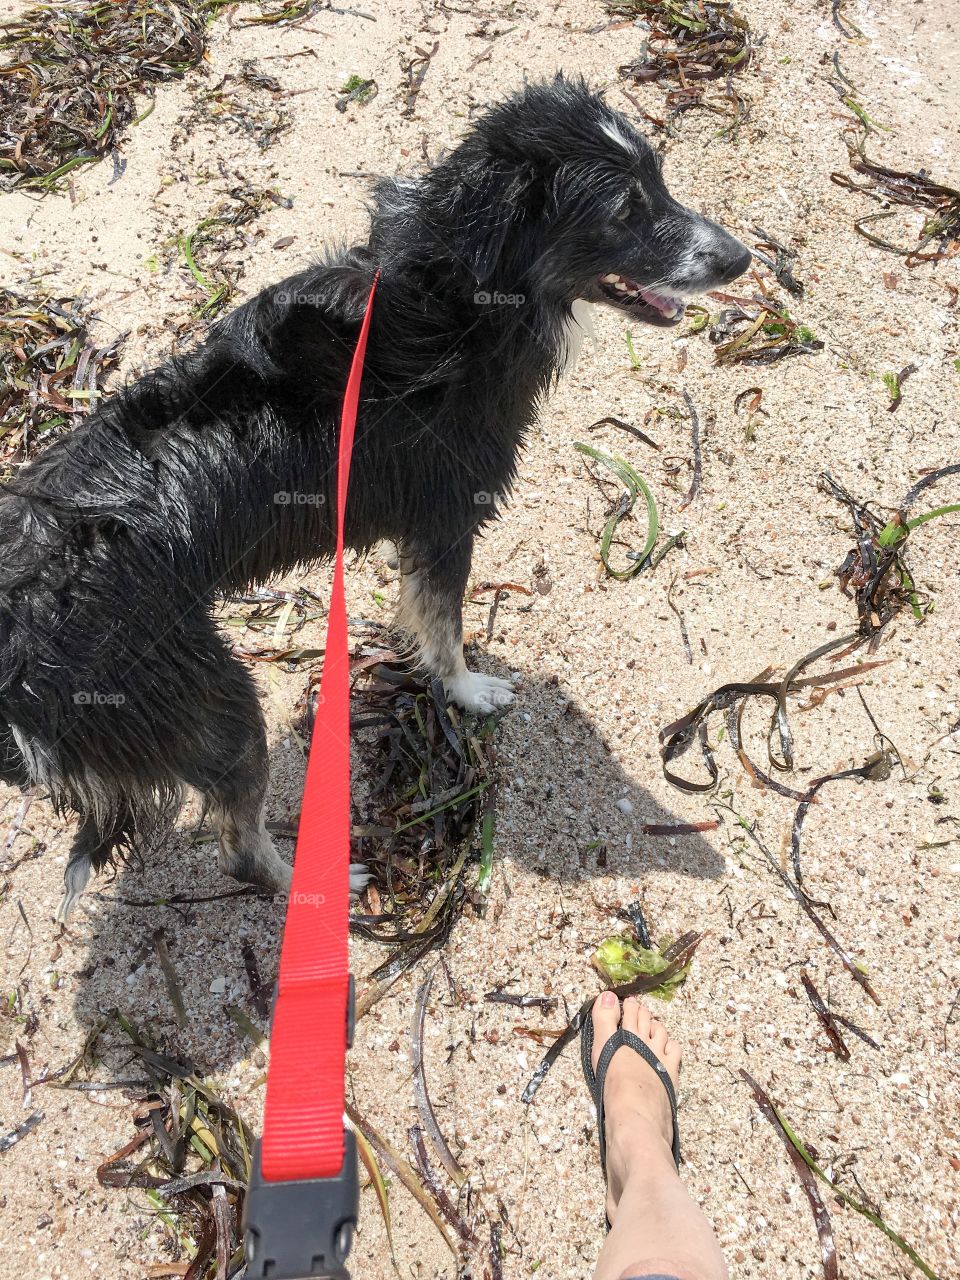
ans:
x=216 y=471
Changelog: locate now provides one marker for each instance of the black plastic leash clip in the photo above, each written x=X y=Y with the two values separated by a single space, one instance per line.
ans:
x=304 y=1229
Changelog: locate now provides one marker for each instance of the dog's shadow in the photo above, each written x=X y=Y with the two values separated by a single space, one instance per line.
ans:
x=189 y=958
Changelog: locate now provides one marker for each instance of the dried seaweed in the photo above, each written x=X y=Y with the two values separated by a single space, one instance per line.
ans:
x=74 y=67
x=876 y=768
x=876 y=573
x=678 y=737
x=51 y=372
x=821 y=1219
x=8 y=1140
x=623 y=957
x=843 y=24
x=546 y=1004
x=697 y=453
x=688 y=39
x=797 y=1149
x=826 y=1017
x=392 y=1158
x=247 y=103
x=430 y=1181
x=422 y=816
x=415 y=71
x=424 y=1105
x=855 y=970
x=781 y=264
x=192 y=1160
x=903 y=188
x=688 y=44
x=758 y=330
x=206 y=247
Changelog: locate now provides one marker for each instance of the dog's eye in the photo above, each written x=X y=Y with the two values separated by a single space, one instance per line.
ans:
x=634 y=204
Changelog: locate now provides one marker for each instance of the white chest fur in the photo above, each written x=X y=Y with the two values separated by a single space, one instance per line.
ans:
x=579 y=326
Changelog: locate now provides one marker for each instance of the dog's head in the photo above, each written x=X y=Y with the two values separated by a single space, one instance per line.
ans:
x=559 y=193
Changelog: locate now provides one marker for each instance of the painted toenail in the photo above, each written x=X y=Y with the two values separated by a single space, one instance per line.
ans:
x=608 y=999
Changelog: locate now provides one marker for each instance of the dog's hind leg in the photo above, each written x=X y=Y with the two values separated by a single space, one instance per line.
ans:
x=93 y=848
x=230 y=767
x=431 y=602
x=228 y=764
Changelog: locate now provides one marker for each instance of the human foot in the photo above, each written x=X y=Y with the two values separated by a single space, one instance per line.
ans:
x=638 y=1121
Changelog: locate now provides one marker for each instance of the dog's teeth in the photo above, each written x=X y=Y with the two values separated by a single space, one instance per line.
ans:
x=609 y=279
x=621 y=287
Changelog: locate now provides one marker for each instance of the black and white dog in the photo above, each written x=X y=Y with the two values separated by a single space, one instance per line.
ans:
x=217 y=470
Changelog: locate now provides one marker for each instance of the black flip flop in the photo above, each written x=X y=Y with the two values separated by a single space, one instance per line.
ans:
x=595 y=1082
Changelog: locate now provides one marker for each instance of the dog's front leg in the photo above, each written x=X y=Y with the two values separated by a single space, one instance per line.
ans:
x=432 y=584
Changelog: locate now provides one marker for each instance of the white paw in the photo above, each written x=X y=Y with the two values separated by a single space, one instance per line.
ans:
x=388 y=552
x=360 y=877
x=476 y=692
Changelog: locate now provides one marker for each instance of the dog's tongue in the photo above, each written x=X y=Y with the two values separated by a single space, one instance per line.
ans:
x=668 y=307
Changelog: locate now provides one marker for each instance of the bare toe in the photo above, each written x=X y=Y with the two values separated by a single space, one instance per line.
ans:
x=606 y=1019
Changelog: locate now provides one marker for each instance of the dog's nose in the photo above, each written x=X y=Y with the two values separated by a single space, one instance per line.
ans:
x=729 y=257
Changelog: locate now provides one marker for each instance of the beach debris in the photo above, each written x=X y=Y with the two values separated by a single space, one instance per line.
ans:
x=757 y=330
x=190 y=1156
x=678 y=956
x=904 y=188
x=51 y=372
x=356 y=89
x=170 y=978
x=894 y=384
x=674 y=608
x=678 y=828
x=647 y=558
x=415 y=71
x=74 y=70
x=697 y=452
x=781 y=264
x=621 y=958
x=400 y=1167
x=431 y=1182
x=424 y=816
x=246 y=103
x=875 y=573
x=821 y=1218
x=750 y=398
x=826 y=1017
x=877 y=768
x=424 y=1106
x=809 y=1171
x=855 y=970
x=688 y=44
x=546 y=1004
x=849 y=30
x=369 y=1159
x=205 y=249
x=939 y=203
x=678 y=737
x=8 y=1140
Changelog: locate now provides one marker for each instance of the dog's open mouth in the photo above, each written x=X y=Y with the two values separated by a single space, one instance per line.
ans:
x=651 y=305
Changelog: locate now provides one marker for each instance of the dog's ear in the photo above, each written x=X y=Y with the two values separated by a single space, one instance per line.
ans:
x=493 y=203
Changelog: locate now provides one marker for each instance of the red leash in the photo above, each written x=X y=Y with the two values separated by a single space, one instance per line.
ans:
x=302 y=1204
